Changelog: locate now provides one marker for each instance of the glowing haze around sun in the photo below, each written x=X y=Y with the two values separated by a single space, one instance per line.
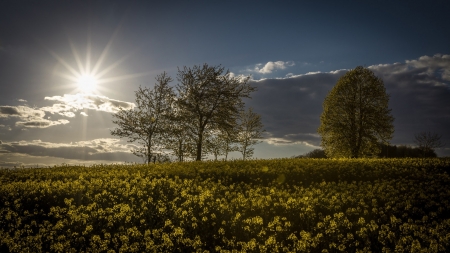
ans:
x=88 y=77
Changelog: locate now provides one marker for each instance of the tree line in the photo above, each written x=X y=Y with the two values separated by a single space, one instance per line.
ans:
x=203 y=115
x=425 y=148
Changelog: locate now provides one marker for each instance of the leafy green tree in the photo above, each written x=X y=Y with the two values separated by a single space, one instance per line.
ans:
x=210 y=99
x=250 y=131
x=148 y=122
x=356 y=117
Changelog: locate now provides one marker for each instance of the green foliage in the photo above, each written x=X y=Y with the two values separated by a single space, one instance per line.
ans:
x=356 y=116
x=283 y=205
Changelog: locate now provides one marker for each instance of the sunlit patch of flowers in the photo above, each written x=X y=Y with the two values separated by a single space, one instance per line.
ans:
x=283 y=205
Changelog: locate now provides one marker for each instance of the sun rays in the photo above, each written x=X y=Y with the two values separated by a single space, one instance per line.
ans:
x=91 y=76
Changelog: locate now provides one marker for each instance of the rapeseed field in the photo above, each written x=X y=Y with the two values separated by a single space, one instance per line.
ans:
x=280 y=205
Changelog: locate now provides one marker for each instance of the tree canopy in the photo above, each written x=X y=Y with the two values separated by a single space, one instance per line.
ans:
x=250 y=129
x=211 y=99
x=356 y=117
x=427 y=142
x=204 y=116
x=149 y=121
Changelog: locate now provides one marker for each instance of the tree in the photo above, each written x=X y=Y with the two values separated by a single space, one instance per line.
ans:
x=401 y=151
x=149 y=121
x=428 y=142
x=316 y=153
x=356 y=117
x=222 y=142
x=210 y=99
x=179 y=141
x=229 y=137
x=215 y=144
x=250 y=130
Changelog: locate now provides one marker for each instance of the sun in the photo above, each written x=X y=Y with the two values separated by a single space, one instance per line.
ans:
x=91 y=77
x=87 y=83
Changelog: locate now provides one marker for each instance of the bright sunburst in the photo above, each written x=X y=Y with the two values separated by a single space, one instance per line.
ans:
x=87 y=83
x=91 y=77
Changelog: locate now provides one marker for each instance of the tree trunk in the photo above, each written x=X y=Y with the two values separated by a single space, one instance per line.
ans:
x=245 y=151
x=360 y=130
x=149 y=155
x=180 y=151
x=199 y=147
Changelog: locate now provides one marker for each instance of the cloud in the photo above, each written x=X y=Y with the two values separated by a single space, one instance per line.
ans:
x=96 y=149
x=41 y=123
x=28 y=117
x=2 y=127
x=11 y=160
x=20 y=111
x=70 y=103
x=270 y=66
x=22 y=100
x=66 y=106
x=419 y=91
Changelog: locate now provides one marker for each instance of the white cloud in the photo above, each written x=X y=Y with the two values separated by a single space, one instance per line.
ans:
x=22 y=100
x=41 y=123
x=29 y=117
x=270 y=66
x=80 y=101
x=20 y=111
x=66 y=106
x=429 y=70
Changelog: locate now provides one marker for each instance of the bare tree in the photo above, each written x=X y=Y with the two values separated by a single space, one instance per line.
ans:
x=210 y=99
x=148 y=122
x=250 y=130
x=428 y=142
x=221 y=142
x=229 y=137
x=179 y=141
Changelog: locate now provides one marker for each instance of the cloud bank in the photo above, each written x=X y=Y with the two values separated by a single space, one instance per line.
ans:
x=98 y=149
x=29 y=117
x=419 y=98
x=66 y=106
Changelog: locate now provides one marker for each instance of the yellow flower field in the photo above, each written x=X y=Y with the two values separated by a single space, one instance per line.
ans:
x=280 y=205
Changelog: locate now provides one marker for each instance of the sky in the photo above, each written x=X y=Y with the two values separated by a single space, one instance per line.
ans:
x=294 y=51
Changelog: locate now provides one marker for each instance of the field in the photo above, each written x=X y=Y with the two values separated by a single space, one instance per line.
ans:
x=283 y=205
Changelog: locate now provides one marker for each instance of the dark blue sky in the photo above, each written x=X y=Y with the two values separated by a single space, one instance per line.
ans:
x=278 y=41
